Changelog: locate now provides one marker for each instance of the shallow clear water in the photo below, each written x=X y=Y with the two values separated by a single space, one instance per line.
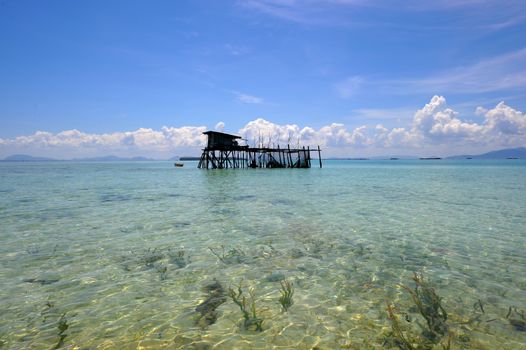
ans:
x=116 y=255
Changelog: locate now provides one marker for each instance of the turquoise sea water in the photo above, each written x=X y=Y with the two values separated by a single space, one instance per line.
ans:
x=118 y=255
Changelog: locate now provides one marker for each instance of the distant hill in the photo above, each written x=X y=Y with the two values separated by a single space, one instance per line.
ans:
x=27 y=158
x=112 y=159
x=184 y=158
x=500 y=154
x=395 y=157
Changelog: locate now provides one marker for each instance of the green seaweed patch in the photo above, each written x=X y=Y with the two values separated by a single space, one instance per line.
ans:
x=296 y=253
x=163 y=271
x=229 y=256
x=150 y=257
x=399 y=337
x=62 y=326
x=179 y=258
x=429 y=305
x=267 y=250
x=41 y=281
x=247 y=306
x=287 y=292
x=403 y=338
x=155 y=258
x=361 y=250
x=517 y=319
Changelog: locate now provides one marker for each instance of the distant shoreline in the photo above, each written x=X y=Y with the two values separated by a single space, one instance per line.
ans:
x=509 y=153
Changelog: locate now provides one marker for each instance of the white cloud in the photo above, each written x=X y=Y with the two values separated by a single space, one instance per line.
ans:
x=479 y=14
x=503 y=72
x=436 y=123
x=261 y=131
x=505 y=126
x=220 y=126
x=244 y=98
x=434 y=127
x=74 y=143
x=480 y=110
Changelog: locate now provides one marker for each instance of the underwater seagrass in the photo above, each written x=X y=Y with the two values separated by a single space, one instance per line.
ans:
x=150 y=256
x=178 y=258
x=62 y=327
x=247 y=307
x=232 y=256
x=429 y=305
x=287 y=291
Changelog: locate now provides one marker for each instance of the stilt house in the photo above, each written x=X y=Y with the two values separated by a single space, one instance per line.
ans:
x=223 y=151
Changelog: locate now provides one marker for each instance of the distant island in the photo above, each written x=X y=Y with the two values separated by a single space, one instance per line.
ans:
x=347 y=159
x=28 y=158
x=508 y=153
x=184 y=158
x=113 y=159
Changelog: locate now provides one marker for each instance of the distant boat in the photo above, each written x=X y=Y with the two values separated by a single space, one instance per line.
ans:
x=393 y=158
x=512 y=158
x=430 y=158
x=179 y=165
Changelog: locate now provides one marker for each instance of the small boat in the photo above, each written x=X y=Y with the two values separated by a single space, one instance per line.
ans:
x=179 y=165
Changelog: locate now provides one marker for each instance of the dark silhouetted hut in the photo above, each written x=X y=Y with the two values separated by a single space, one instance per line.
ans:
x=223 y=151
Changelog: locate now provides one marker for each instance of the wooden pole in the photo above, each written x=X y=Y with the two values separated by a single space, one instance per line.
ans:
x=319 y=155
x=201 y=160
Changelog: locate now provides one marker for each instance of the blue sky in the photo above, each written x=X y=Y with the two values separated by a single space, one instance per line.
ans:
x=344 y=72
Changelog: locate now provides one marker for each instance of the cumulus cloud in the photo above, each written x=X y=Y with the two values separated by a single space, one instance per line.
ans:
x=436 y=122
x=435 y=126
x=74 y=143
x=502 y=125
x=480 y=110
